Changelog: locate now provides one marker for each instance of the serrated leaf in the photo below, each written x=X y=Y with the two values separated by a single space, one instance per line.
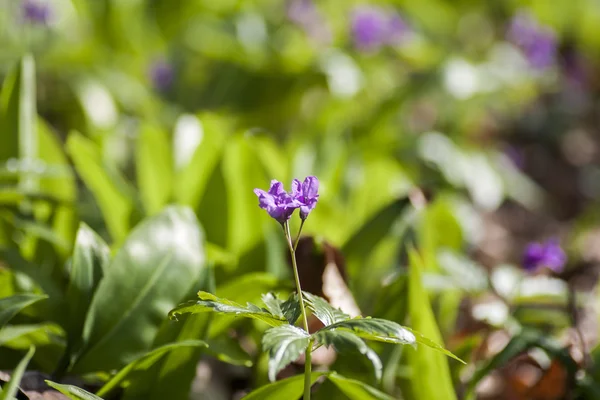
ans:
x=290 y=388
x=377 y=329
x=145 y=362
x=11 y=306
x=285 y=344
x=73 y=392
x=209 y=302
x=357 y=390
x=10 y=389
x=289 y=309
x=344 y=341
x=324 y=311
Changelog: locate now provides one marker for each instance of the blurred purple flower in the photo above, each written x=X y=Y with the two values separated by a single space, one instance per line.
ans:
x=373 y=27
x=161 y=74
x=277 y=202
x=305 y=14
x=36 y=11
x=537 y=42
x=306 y=193
x=516 y=156
x=544 y=255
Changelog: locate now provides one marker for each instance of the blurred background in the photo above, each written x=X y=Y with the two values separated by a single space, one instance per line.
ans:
x=468 y=129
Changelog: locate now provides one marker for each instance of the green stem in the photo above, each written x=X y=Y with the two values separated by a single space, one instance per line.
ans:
x=307 y=363
x=298 y=237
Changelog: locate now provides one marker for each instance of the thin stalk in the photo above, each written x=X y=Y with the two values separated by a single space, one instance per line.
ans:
x=298 y=237
x=307 y=363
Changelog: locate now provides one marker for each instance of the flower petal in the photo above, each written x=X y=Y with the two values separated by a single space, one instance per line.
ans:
x=310 y=187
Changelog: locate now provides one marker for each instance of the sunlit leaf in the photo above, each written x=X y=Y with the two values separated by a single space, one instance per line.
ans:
x=10 y=306
x=209 y=302
x=9 y=390
x=157 y=265
x=324 y=311
x=357 y=390
x=285 y=344
x=289 y=309
x=73 y=392
x=344 y=341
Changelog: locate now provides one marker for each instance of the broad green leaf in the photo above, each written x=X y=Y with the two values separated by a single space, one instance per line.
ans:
x=46 y=338
x=360 y=245
x=18 y=119
x=193 y=177
x=58 y=183
x=115 y=205
x=228 y=350
x=73 y=392
x=144 y=362
x=10 y=389
x=377 y=329
x=285 y=344
x=289 y=309
x=10 y=306
x=290 y=388
x=431 y=379
x=147 y=277
x=209 y=302
x=243 y=172
x=90 y=259
x=344 y=341
x=154 y=167
x=324 y=311
x=357 y=390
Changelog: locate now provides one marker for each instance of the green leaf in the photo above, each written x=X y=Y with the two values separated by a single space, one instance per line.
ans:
x=159 y=263
x=377 y=329
x=154 y=167
x=191 y=179
x=344 y=341
x=46 y=338
x=73 y=392
x=115 y=205
x=289 y=309
x=10 y=389
x=324 y=311
x=144 y=362
x=357 y=390
x=228 y=350
x=90 y=259
x=210 y=302
x=290 y=388
x=431 y=379
x=18 y=119
x=11 y=306
x=285 y=344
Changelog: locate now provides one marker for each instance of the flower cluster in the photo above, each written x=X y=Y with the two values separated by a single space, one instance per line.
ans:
x=537 y=42
x=373 y=28
x=35 y=11
x=544 y=255
x=281 y=205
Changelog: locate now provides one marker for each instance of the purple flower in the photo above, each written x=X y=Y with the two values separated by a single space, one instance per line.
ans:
x=537 y=42
x=544 y=255
x=161 y=74
x=305 y=14
x=35 y=11
x=277 y=202
x=372 y=28
x=306 y=193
